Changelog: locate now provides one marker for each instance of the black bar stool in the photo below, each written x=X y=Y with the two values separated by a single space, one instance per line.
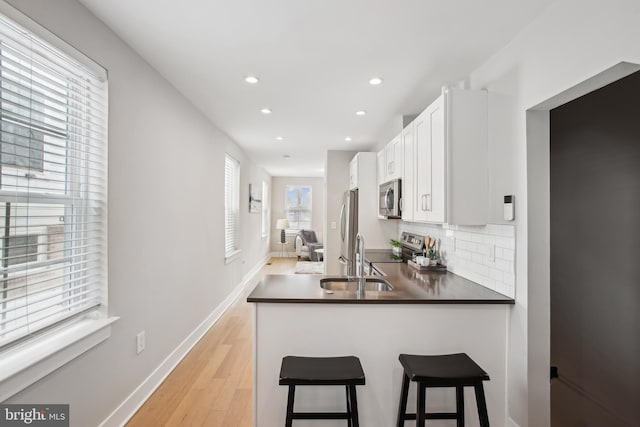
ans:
x=449 y=370
x=318 y=371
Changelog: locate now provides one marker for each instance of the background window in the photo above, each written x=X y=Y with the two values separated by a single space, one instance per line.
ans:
x=231 y=204
x=298 y=206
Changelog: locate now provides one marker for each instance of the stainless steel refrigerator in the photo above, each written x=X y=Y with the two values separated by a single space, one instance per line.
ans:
x=348 y=231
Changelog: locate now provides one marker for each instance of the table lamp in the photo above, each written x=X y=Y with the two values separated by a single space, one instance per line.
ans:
x=282 y=224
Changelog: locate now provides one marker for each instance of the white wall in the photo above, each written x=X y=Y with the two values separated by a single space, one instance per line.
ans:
x=277 y=208
x=570 y=42
x=166 y=245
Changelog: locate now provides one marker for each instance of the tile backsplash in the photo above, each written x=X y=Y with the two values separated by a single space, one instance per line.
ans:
x=483 y=254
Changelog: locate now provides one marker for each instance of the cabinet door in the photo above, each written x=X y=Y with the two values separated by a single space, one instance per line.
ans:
x=436 y=201
x=388 y=159
x=422 y=165
x=380 y=167
x=398 y=158
x=408 y=160
x=430 y=169
x=393 y=158
x=353 y=173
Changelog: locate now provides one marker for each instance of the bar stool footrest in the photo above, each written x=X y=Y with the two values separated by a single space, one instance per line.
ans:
x=321 y=416
x=434 y=416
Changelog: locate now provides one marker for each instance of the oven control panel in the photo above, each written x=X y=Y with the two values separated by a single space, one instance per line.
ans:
x=412 y=241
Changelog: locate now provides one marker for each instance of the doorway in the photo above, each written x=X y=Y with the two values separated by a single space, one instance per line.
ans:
x=595 y=257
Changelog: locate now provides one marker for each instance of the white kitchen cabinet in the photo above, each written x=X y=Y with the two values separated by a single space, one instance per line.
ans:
x=393 y=158
x=390 y=161
x=450 y=160
x=381 y=167
x=407 y=184
x=353 y=173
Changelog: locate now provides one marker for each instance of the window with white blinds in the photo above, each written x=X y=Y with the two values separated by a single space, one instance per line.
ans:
x=53 y=186
x=231 y=204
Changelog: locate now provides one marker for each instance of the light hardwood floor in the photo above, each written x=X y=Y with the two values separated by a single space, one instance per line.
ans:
x=213 y=385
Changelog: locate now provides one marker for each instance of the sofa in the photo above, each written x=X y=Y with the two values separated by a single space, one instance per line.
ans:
x=306 y=244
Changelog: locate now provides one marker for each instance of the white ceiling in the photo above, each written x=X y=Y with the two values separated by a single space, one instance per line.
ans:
x=314 y=60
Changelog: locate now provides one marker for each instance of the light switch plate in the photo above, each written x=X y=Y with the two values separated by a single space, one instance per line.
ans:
x=140 y=342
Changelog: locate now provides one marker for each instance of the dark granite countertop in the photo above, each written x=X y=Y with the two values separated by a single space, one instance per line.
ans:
x=409 y=287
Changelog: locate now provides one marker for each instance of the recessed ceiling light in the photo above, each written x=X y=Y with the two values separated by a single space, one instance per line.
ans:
x=361 y=113
x=375 y=81
x=279 y=138
x=348 y=139
x=266 y=111
x=251 y=80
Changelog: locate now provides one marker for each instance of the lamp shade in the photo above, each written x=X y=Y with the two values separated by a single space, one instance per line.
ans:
x=282 y=224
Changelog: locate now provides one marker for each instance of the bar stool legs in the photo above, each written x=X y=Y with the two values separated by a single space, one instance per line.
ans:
x=452 y=370
x=482 y=406
x=322 y=371
x=403 y=400
x=460 y=406
x=353 y=407
x=290 y=400
x=351 y=415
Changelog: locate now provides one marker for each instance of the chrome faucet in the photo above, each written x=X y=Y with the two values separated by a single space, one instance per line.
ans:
x=361 y=278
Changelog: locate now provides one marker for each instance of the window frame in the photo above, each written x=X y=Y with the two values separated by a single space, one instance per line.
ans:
x=231 y=208
x=265 y=210
x=32 y=358
x=289 y=212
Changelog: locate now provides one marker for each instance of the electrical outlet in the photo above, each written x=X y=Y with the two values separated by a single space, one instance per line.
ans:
x=492 y=253
x=140 y=342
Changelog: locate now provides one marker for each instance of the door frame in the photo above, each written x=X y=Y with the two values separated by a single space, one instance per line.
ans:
x=539 y=237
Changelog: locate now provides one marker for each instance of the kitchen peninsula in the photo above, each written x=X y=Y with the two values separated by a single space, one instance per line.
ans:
x=425 y=313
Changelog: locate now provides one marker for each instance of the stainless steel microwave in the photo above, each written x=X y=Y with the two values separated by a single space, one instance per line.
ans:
x=389 y=200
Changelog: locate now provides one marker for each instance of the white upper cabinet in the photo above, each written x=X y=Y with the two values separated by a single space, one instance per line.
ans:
x=353 y=173
x=393 y=158
x=407 y=191
x=450 y=180
x=390 y=161
x=381 y=167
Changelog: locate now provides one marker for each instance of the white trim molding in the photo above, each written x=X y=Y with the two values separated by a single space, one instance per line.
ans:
x=25 y=364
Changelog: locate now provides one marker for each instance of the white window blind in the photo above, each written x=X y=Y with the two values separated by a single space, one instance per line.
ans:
x=231 y=204
x=297 y=205
x=53 y=186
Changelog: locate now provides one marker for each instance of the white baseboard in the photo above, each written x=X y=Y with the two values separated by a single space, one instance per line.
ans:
x=139 y=396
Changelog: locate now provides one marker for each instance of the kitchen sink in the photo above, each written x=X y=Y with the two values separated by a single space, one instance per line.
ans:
x=350 y=284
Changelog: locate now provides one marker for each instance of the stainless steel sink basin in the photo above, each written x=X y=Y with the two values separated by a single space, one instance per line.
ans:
x=350 y=284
